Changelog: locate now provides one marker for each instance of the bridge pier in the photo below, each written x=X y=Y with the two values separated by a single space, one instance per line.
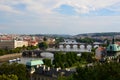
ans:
x=78 y=46
x=85 y=46
x=64 y=45
x=71 y=46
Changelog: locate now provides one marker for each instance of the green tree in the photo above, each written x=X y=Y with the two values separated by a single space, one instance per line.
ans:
x=44 y=39
x=65 y=60
x=8 y=77
x=106 y=71
x=43 y=45
x=85 y=40
x=17 y=69
x=58 y=40
x=47 y=62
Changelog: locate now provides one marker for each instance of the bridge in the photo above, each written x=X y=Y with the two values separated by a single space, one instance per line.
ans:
x=67 y=46
x=37 y=53
x=72 y=45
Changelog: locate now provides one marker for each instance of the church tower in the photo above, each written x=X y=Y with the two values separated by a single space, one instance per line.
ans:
x=113 y=40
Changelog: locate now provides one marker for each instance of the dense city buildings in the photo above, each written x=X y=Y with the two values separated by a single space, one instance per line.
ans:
x=62 y=55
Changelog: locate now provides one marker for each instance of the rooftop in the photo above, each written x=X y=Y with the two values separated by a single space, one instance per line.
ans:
x=34 y=62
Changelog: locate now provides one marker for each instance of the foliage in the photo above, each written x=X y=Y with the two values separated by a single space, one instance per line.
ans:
x=31 y=47
x=85 y=40
x=70 y=59
x=65 y=60
x=43 y=45
x=8 y=77
x=66 y=78
x=17 y=69
x=58 y=40
x=47 y=62
x=44 y=39
x=107 y=71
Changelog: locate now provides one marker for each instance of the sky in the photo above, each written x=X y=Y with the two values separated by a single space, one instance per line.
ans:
x=59 y=16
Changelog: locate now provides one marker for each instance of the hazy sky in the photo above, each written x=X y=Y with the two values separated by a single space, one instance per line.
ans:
x=59 y=16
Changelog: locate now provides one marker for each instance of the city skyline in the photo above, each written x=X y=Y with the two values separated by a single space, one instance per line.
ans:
x=59 y=17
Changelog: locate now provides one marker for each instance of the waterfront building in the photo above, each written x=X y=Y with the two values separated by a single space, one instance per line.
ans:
x=32 y=43
x=33 y=64
x=100 y=53
x=11 y=44
x=110 y=53
x=113 y=49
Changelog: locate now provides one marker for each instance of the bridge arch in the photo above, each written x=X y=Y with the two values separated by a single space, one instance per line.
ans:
x=95 y=46
x=89 y=46
x=75 y=46
x=82 y=46
x=67 y=46
x=60 y=46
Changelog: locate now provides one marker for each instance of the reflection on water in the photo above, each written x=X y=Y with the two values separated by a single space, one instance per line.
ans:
x=47 y=55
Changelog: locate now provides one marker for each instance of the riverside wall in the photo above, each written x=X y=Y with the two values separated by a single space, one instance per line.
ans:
x=7 y=57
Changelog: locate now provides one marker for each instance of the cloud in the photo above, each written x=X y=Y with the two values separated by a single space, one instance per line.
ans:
x=59 y=16
x=6 y=8
x=48 y=6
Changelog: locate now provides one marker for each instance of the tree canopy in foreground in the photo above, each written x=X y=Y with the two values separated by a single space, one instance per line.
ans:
x=105 y=71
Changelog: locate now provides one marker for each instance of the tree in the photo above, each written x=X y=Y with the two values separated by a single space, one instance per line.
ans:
x=8 y=77
x=17 y=69
x=106 y=71
x=65 y=60
x=58 y=40
x=47 y=62
x=44 y=39
x=43 y=45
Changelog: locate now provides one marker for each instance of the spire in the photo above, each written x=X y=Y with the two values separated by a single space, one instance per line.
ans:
x=113 y=40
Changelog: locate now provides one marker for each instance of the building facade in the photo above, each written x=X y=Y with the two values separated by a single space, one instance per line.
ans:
x=100 y=53
x=11 y=44
x=113 y=51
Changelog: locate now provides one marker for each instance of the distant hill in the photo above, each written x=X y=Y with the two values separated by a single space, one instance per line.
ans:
x=100 y=34
x=54 y=35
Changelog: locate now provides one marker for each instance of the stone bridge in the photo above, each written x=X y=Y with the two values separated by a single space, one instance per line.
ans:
x=81 y=47
x=77 y=45
x=37 y=53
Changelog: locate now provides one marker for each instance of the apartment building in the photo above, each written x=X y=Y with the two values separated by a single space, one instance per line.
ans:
x=11 y=44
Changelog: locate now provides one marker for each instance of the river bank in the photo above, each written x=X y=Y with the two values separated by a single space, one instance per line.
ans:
x=7 y=57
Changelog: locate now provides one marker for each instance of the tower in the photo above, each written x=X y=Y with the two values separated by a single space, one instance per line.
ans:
x=113 y=40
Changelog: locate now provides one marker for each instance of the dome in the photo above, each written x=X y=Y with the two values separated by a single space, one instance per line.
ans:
x=113 y=47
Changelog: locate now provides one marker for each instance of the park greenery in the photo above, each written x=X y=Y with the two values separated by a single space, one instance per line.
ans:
x=104 y=71
x=85 y=40
x=13 y=71
x=47 y=62
x=69 y=59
